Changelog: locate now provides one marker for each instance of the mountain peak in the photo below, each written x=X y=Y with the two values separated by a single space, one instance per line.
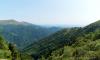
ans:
x=13 y=22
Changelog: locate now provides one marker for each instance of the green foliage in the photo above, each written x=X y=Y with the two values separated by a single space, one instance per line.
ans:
x=5 y=53
x=8 y=51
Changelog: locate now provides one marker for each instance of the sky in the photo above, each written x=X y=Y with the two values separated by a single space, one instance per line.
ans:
x=51 y=12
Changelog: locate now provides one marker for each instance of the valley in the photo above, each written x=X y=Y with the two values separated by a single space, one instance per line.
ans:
x=56 y=43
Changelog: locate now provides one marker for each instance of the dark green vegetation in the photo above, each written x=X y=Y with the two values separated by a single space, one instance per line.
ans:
x=8 y=51
x=68 y=44
x=23 y=33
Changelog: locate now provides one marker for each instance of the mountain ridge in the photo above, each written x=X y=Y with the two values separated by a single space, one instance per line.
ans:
x=23 y=32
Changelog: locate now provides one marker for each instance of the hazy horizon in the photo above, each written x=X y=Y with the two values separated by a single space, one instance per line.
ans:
x=51 y=12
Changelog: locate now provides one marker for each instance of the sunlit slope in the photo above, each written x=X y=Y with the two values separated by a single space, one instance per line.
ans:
x=86 y=47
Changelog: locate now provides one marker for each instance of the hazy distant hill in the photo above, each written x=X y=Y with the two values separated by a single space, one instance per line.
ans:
x=52 y=45
x=23 y=33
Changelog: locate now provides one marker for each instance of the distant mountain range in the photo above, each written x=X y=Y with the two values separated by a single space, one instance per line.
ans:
x=23 y=33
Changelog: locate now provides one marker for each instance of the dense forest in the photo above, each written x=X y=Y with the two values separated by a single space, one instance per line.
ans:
x=77 y=43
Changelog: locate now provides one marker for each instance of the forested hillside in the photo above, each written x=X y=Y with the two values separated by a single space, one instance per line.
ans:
x=23 y=33
x=86 y=47
x=74 y=40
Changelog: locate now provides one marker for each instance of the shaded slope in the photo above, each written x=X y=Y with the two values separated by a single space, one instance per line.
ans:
x=23 y=32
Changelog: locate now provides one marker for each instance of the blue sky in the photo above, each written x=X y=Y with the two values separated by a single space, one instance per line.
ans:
x=51 y=12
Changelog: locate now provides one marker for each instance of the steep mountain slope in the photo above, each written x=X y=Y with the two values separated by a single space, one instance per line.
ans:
x=58 y=40
x=23 y=33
